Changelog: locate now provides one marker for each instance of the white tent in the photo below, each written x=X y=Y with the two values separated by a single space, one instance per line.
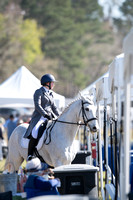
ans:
x=18 y=90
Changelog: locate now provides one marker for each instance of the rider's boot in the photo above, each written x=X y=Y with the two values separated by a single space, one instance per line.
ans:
x=31 y=148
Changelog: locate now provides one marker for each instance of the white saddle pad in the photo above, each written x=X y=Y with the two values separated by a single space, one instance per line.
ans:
x=25 y=142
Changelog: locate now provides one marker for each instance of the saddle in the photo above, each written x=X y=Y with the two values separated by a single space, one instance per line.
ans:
x=43 y=133
x=42 y=128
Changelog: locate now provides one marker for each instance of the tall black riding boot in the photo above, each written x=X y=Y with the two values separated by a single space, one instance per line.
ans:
x=31 y=148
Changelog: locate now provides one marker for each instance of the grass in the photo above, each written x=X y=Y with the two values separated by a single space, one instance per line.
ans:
x=2 y=163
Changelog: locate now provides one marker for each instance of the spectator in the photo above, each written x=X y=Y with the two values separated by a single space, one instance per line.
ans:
x=17 y=119
x=10 y=125
x=1 y=139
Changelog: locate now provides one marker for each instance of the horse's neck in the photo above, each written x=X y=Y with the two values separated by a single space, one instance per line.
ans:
x=72 y=112
x=71 y=115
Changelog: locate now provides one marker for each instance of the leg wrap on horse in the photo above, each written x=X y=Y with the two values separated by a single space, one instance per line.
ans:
x=32 y=145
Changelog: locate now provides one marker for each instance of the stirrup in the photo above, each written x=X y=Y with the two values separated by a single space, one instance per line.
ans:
x=30 y=157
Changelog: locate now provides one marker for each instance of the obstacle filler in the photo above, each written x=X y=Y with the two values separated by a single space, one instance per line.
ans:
x=77 y=179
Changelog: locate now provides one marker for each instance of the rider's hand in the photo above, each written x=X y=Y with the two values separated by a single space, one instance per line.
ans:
x=48 y=117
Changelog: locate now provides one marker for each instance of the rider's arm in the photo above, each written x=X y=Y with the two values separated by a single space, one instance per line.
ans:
x=55 y=109
x=37 y=103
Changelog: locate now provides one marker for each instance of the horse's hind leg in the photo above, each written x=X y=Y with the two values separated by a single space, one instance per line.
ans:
x=13 y=162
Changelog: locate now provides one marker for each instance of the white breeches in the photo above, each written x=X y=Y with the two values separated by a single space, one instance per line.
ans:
x=35 y=129
x=1 y=154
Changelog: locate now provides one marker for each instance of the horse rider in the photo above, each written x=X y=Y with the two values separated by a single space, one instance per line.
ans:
x=45 y=109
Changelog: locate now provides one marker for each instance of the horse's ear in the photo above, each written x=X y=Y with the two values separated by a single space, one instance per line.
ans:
x=91 y=98
x=80 y=95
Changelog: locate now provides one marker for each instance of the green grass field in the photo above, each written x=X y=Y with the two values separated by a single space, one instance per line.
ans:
x=2 y=163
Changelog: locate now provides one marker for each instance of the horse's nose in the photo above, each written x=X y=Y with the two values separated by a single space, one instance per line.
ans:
x=94 y=128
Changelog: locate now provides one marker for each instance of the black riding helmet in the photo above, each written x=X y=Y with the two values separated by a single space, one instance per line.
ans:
x=47 y=78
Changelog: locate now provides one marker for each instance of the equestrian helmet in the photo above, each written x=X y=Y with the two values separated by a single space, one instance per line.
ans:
x=47 y=78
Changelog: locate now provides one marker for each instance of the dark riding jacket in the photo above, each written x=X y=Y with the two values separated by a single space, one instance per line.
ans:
x=44 y=105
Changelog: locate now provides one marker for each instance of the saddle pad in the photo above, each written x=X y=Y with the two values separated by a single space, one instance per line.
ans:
x=25 y=142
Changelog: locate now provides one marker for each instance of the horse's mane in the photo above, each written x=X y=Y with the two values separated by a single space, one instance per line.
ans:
x=67 y=107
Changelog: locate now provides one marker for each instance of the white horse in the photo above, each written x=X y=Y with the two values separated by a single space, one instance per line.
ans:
x=60 y=150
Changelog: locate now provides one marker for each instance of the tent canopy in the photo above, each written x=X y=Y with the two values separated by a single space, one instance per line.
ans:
x=19 y=88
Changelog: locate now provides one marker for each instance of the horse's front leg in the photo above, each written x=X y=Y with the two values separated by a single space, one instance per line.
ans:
x=58 y=163
x=65 y=158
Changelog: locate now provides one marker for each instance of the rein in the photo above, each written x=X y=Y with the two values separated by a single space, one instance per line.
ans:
x=48 y=133
x=83 y=115
x=76 y=123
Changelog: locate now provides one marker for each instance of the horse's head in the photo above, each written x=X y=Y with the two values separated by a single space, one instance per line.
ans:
x=88 y=111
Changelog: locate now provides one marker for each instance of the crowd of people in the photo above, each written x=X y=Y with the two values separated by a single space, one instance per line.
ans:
x=6 y=129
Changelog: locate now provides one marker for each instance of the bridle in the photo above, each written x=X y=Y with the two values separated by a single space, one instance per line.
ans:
x=85 y=119
x=84 y=116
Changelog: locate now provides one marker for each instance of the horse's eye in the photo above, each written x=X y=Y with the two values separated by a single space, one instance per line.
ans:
x=87 y=109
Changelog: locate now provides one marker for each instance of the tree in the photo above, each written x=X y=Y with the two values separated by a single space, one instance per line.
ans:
x=125 y=23
x=67 y=23
x=70 y=39
x=20 y=42
x=30 y=40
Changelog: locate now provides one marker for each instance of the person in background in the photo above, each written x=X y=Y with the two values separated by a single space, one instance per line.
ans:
x=17 y=119
x=1 y=139
x=45 y=109
x=10 y=125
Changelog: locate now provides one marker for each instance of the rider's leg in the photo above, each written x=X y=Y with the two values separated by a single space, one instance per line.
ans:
x=34 y=139
x=31 y=148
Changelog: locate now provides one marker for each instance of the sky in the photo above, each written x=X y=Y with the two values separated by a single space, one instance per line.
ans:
x=115 y=11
